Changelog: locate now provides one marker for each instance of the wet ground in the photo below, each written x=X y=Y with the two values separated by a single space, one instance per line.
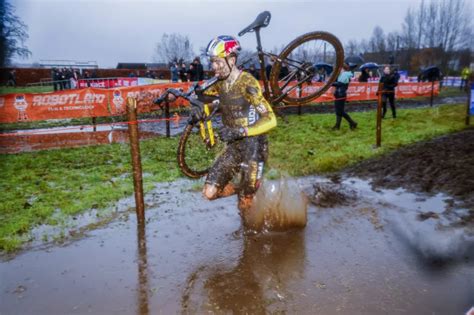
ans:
x=362 y=252
x=78 y=136
x=444 y=164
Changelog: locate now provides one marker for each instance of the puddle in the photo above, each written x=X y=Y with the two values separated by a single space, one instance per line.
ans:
x=78 y=136
x=193 y=258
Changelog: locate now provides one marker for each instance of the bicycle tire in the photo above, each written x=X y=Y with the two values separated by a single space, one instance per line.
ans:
x=293 y=46
x=194 y=156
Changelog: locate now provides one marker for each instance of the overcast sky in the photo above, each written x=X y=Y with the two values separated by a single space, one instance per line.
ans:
x=112 y=31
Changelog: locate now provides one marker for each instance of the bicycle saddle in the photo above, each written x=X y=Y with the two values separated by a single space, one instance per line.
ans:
x=262 y=20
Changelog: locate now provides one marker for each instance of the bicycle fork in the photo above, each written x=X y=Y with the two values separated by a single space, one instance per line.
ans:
x=206 y=130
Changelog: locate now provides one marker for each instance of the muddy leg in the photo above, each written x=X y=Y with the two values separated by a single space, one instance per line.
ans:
x=212 y=192
x=245 y=203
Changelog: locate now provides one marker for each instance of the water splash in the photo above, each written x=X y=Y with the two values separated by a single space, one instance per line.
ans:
x=277 y=206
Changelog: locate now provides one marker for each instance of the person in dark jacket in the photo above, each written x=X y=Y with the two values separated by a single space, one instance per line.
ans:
x=183 y=73
x=365 y=75
x=199 y=70
x=388 y=82
x=340 y=93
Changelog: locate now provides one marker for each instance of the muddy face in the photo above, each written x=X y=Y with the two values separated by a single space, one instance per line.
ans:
x=222 y=67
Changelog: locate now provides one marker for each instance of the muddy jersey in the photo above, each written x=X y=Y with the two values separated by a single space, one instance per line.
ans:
x=242 y=105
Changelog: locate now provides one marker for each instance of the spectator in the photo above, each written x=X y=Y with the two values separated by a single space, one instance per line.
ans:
x=340 y=95
x=465 y=74
x=254 y=72
x=67 y=76
x=389 y=81
x=174 y=72
x=183 y=72
x=192 y=72
x=283 y=71
x=365 y=75
x=87 y=77
x=199 y=70
x=74 y=79
x=131 y=75
x=12 y=78
x=62 y=79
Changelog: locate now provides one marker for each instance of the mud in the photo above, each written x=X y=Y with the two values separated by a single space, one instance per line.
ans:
x=362 y=256
x=444 y=164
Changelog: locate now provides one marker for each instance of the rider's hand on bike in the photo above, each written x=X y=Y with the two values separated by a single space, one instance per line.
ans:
x=230 y=134
x=196 y=113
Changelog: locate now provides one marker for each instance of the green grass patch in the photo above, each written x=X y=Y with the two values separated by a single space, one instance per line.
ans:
x=37 y=186
x=25 y=89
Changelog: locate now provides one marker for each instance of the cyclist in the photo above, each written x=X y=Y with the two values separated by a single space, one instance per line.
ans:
x=246 y=118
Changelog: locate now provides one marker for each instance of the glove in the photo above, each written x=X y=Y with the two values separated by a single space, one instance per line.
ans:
x=231 y=134
x=196 y=113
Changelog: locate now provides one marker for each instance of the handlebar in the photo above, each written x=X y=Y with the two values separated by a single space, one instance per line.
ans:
x=190 y=95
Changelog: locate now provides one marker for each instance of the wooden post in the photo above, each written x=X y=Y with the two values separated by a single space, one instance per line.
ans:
x=432 y=93
x=136 y=159
x=468 y=103
x=94 y=124
x=167 y=115
x=378 y=141
x=142 y=261
x=300 y=92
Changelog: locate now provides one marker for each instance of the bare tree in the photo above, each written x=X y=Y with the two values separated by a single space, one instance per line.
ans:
x=352 y=48
x=420 y=21
x=393 y=41
x=409 y=29
x=378 y=43
x=13 y=34
x=173 y=47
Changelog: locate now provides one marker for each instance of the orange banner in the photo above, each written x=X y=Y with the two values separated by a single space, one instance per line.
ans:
x=93 y=102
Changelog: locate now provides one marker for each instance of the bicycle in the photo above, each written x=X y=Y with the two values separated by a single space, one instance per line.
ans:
x=294 y=76
x=198 y=146
x=293 y=79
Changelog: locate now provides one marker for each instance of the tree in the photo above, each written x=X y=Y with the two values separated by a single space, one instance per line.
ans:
x=409 y=29
x=351 y=48
x=377 y=41
x=13 y=34
x=173 y=47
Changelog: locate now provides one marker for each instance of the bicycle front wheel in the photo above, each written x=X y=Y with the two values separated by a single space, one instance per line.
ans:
x=195 y=154
x=306 y=68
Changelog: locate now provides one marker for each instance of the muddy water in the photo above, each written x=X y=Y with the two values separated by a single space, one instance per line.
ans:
x=278 y=205
x=78 y=136
x=358 y=257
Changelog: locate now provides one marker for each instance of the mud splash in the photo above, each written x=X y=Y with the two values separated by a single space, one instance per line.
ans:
x=277 y=206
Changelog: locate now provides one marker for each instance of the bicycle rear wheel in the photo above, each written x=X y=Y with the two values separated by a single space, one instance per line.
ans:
x=195 y=156
x=306 y=68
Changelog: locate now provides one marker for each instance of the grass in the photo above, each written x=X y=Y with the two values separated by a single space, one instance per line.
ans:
x=307 y=145
x=25 y=89
x=37 y=186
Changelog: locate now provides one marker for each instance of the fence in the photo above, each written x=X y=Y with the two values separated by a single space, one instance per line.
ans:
x=95 y=102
